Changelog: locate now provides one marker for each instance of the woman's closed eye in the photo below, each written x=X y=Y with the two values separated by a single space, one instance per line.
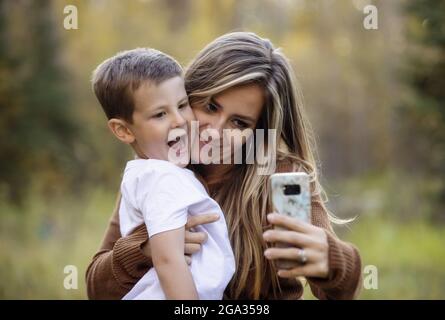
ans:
x=211 y=107
x=240 y=124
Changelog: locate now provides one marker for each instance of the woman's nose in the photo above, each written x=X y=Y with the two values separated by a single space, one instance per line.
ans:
x=218 y=125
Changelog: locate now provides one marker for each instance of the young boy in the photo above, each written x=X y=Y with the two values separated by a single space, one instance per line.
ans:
x=142 y=93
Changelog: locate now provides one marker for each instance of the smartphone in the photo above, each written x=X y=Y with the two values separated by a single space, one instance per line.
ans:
x=291 y=194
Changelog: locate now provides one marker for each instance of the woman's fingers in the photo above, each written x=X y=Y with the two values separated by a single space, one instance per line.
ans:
x=290 y=223
x=191 y=248
x=193 y=221
x=193 y=240
x=195 y=237
x=286 y=253
x=297 y=235
x=318 y=270
x=286 y=264
x=286 y=236
x=295 y=272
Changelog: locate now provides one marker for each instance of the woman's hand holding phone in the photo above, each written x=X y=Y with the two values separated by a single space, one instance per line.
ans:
x=298 y=235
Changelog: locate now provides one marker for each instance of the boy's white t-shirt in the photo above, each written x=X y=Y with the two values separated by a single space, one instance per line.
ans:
x=161 y=195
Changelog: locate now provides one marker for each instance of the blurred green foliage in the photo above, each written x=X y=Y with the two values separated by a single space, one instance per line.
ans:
x=37 y=125
x=375 y=98
x=423 y=109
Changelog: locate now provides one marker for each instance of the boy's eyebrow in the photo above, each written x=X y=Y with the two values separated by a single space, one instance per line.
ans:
x=157 y=108
x=246 y=118
x=183 y=100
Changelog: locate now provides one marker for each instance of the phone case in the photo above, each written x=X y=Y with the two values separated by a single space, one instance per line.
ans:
x=291 y=194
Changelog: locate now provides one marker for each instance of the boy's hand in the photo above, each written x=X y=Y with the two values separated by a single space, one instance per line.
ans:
x=194 y=239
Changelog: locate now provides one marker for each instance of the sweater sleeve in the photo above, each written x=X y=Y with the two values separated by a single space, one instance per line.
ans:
x=344 y=279
x=119 y=262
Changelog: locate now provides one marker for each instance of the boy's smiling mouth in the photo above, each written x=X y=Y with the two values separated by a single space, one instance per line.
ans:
x=171 y=143
x=177 y=142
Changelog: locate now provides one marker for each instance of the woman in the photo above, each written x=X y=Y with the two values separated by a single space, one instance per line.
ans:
x=239 y=81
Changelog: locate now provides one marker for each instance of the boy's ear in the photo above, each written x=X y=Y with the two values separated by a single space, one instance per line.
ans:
x=121 y=131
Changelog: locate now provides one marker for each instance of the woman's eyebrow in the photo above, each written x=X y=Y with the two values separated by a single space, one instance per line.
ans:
x=215 y=103
x=246 y=118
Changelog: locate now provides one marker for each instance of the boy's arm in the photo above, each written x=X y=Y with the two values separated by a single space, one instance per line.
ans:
x=167 y=251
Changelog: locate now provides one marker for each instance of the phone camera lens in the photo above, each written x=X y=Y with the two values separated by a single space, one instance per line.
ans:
x=292 y=189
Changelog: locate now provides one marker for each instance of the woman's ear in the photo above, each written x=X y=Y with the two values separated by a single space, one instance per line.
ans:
x=119 y=128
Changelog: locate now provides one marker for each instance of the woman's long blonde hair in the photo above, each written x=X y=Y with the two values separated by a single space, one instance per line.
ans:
x=236 y=59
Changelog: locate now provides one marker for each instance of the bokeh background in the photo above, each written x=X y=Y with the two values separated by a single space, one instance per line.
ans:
x=375 y=99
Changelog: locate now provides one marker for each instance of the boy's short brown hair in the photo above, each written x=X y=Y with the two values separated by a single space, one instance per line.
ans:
x=115 y=79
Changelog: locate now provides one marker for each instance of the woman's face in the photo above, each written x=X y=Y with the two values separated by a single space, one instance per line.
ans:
x=237 y=109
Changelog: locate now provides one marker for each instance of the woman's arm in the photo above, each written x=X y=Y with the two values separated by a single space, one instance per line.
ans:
x=119 y=263
x=344 y=277
x=167 y=249
x=122 y=261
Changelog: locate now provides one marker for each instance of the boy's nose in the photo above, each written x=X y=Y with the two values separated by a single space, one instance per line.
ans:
x=178 y=120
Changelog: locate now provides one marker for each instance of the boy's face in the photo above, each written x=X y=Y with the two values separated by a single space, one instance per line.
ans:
x=159 y=111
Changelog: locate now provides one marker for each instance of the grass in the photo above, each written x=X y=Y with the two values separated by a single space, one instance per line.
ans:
x=39 y=240
x=398 y=230
x=409 y=257
x=37 y=244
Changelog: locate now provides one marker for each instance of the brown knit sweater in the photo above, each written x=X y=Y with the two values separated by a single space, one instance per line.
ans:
x=120 y=262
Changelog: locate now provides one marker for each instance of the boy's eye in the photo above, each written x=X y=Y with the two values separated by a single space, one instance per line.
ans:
x=211 y=107
x=240 y=124
x=184 y=105
x=159 y=115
